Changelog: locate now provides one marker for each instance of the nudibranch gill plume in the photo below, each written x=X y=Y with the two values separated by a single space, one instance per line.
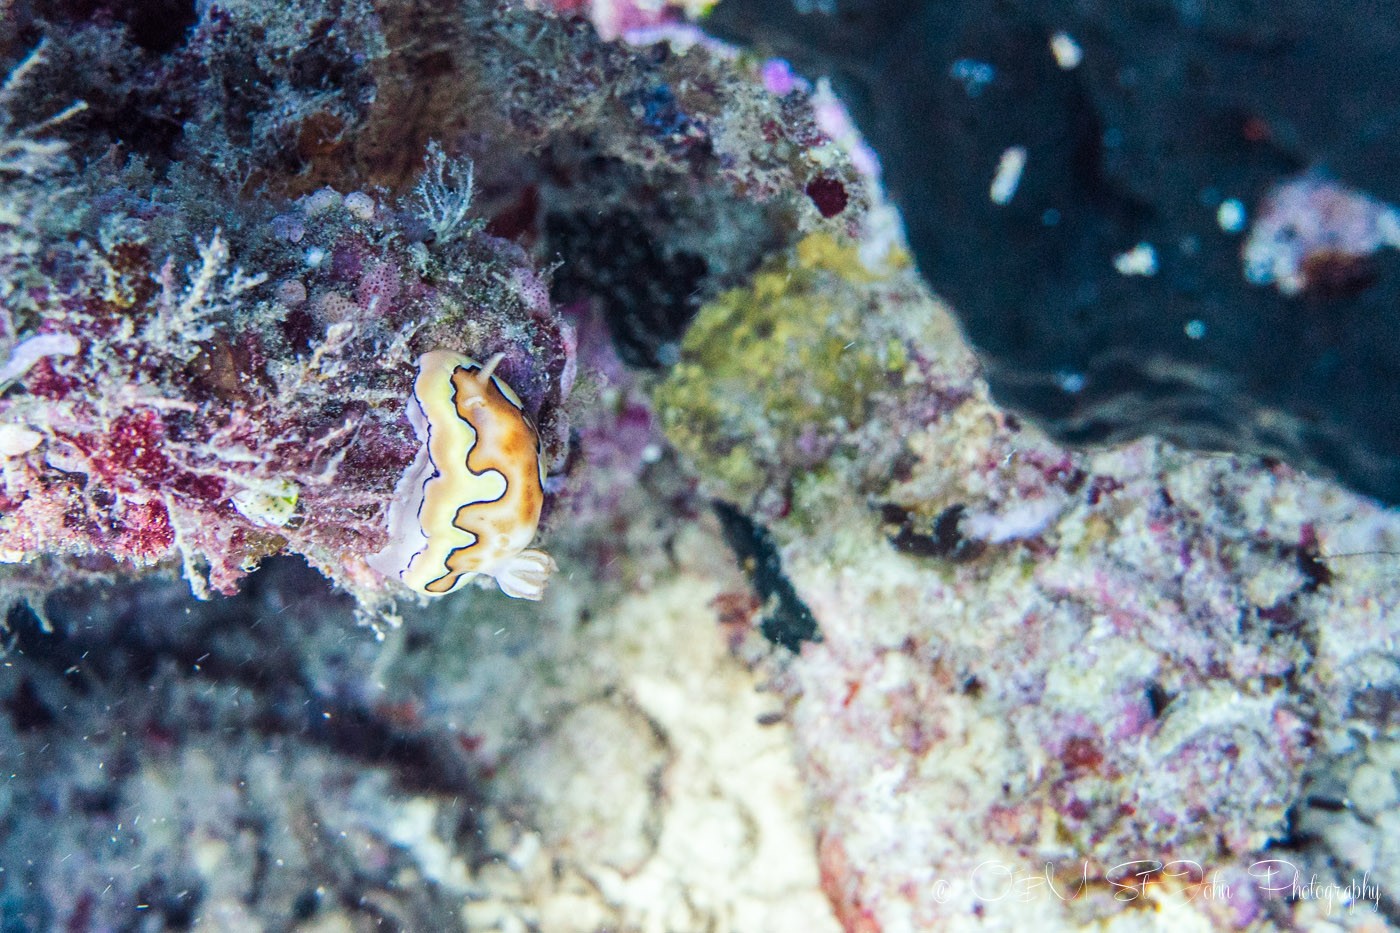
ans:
x=470 y=502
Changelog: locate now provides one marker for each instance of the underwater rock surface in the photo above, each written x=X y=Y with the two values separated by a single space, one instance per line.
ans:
x=208 y=337
x=1069 y=667
x=1103 y=284
x=837 y=642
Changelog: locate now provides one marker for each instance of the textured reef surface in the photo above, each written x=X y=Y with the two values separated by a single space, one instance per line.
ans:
x=1021 y=668
x=209 y=331
x=836 y=641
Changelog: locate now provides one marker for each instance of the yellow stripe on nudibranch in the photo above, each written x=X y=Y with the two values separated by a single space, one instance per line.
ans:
x=470 y=502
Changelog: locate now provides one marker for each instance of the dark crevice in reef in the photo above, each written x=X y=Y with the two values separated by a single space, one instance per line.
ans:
x=154 y=25
x=655 y=253
x=648 y=295
x=787 y=621
x=245 y=641
x=942 y=539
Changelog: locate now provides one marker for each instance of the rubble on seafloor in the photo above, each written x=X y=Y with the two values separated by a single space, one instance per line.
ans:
x=257 y=763
x=836 y=643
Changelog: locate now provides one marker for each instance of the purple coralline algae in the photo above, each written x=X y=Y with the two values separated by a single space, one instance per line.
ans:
x=199 y=411
x=213 y=386
x=209 y=335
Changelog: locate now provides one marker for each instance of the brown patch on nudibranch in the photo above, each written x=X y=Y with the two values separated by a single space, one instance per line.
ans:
x=470 y=502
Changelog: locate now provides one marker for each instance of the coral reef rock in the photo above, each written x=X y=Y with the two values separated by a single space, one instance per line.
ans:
x=1042 y=686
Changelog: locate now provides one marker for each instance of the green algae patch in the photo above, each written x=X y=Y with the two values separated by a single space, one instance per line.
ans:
x=779 y=374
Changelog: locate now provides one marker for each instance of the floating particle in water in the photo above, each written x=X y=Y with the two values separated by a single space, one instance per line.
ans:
x=1230 y=215
x=1140 y=260
x=1008 y=175
x=1070 y=382
x=1195 y=329
x=1067 y=52
x=972 y=74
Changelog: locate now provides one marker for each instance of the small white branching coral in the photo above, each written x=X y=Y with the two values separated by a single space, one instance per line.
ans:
x=184 y=317
x=444 y=193
x=22 y=151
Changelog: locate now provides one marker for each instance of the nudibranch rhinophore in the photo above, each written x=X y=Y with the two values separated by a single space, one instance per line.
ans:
x=470 y=502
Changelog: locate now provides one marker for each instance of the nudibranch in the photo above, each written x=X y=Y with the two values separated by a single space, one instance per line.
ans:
x=469 y=504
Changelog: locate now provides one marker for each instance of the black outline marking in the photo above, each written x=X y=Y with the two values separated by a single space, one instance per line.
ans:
x=471 y=369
